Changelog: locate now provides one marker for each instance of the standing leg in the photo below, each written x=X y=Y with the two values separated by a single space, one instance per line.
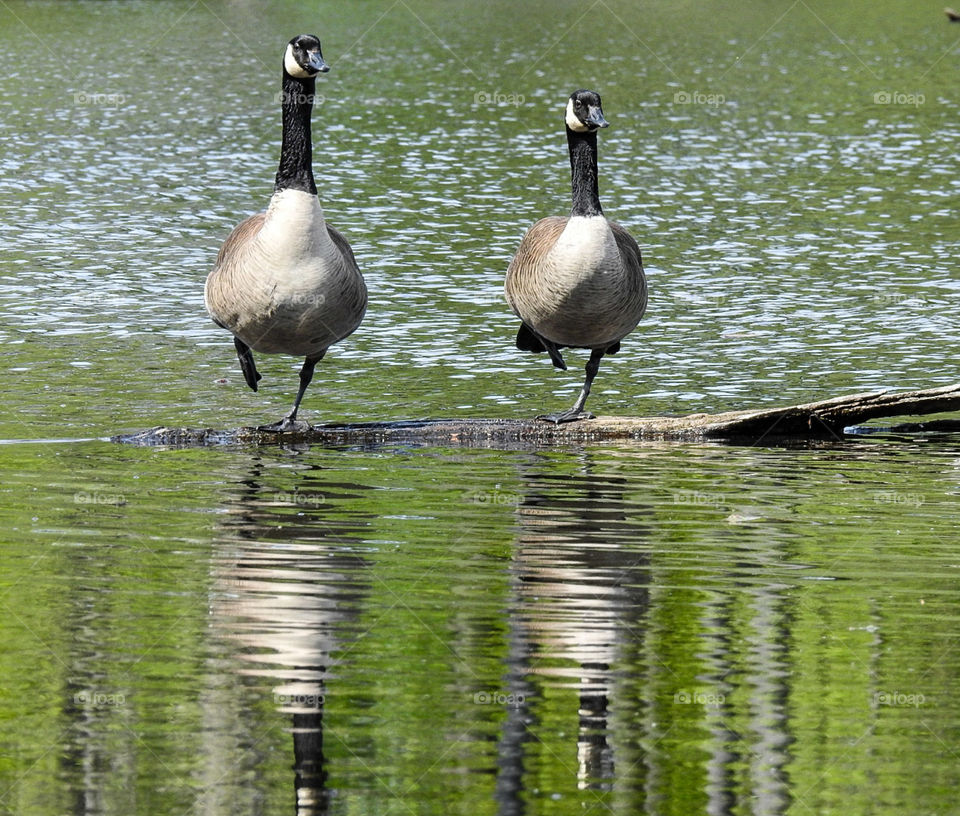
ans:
x=306 y=375
x=289 y=422
x=577 y=412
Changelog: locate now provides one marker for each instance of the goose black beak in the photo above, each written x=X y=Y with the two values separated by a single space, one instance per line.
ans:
x=595 y=118
x=316 y=63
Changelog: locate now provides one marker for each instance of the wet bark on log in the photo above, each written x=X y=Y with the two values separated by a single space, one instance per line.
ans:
x=824 y=420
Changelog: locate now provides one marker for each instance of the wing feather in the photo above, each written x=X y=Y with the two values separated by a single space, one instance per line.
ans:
x=522 y=274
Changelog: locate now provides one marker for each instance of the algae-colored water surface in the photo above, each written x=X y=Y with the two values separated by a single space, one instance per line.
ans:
x=645 y=628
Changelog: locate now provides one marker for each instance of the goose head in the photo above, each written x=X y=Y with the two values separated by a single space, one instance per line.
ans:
x=302 y=59
x=584 y=114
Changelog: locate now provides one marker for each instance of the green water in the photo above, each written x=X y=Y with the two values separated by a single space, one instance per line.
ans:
x=661 y=629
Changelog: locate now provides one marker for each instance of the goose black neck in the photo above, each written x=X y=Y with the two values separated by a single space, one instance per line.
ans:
x=296 y=151
x=583 y=172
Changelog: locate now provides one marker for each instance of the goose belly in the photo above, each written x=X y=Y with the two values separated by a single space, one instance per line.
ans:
x=583 y=294
x=304 y=312
x=281 y=309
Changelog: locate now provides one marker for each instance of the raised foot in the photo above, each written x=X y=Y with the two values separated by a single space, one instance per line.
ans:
x=565 y=416
x=286 y=425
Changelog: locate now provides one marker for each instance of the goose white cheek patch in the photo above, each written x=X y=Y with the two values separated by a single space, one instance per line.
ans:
x=292 y=67
x=572 y=121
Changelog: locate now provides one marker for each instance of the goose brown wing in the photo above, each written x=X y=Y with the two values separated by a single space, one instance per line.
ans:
x=522 y=279
x=632 y=262
x=242 y=234
x=629 y=249
x=342 y=244
x=219 y=291
x=538 y=241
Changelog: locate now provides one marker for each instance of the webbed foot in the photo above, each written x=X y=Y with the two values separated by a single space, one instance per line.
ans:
x=286 y=425
x=570 y=415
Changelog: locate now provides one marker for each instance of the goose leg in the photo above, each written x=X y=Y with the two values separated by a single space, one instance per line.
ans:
x=577 y=412
x=306 y=375
x=289 y=422
x=247 y=365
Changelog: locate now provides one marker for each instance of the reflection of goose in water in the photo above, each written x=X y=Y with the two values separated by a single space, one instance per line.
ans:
x=584 y=615
x=287 y=580
x=577 y=598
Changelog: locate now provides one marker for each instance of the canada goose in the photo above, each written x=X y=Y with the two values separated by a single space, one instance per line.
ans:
x=577 y=281
x=285 y=282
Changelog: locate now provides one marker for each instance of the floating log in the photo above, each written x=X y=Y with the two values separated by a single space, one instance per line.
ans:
x=825 y=419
